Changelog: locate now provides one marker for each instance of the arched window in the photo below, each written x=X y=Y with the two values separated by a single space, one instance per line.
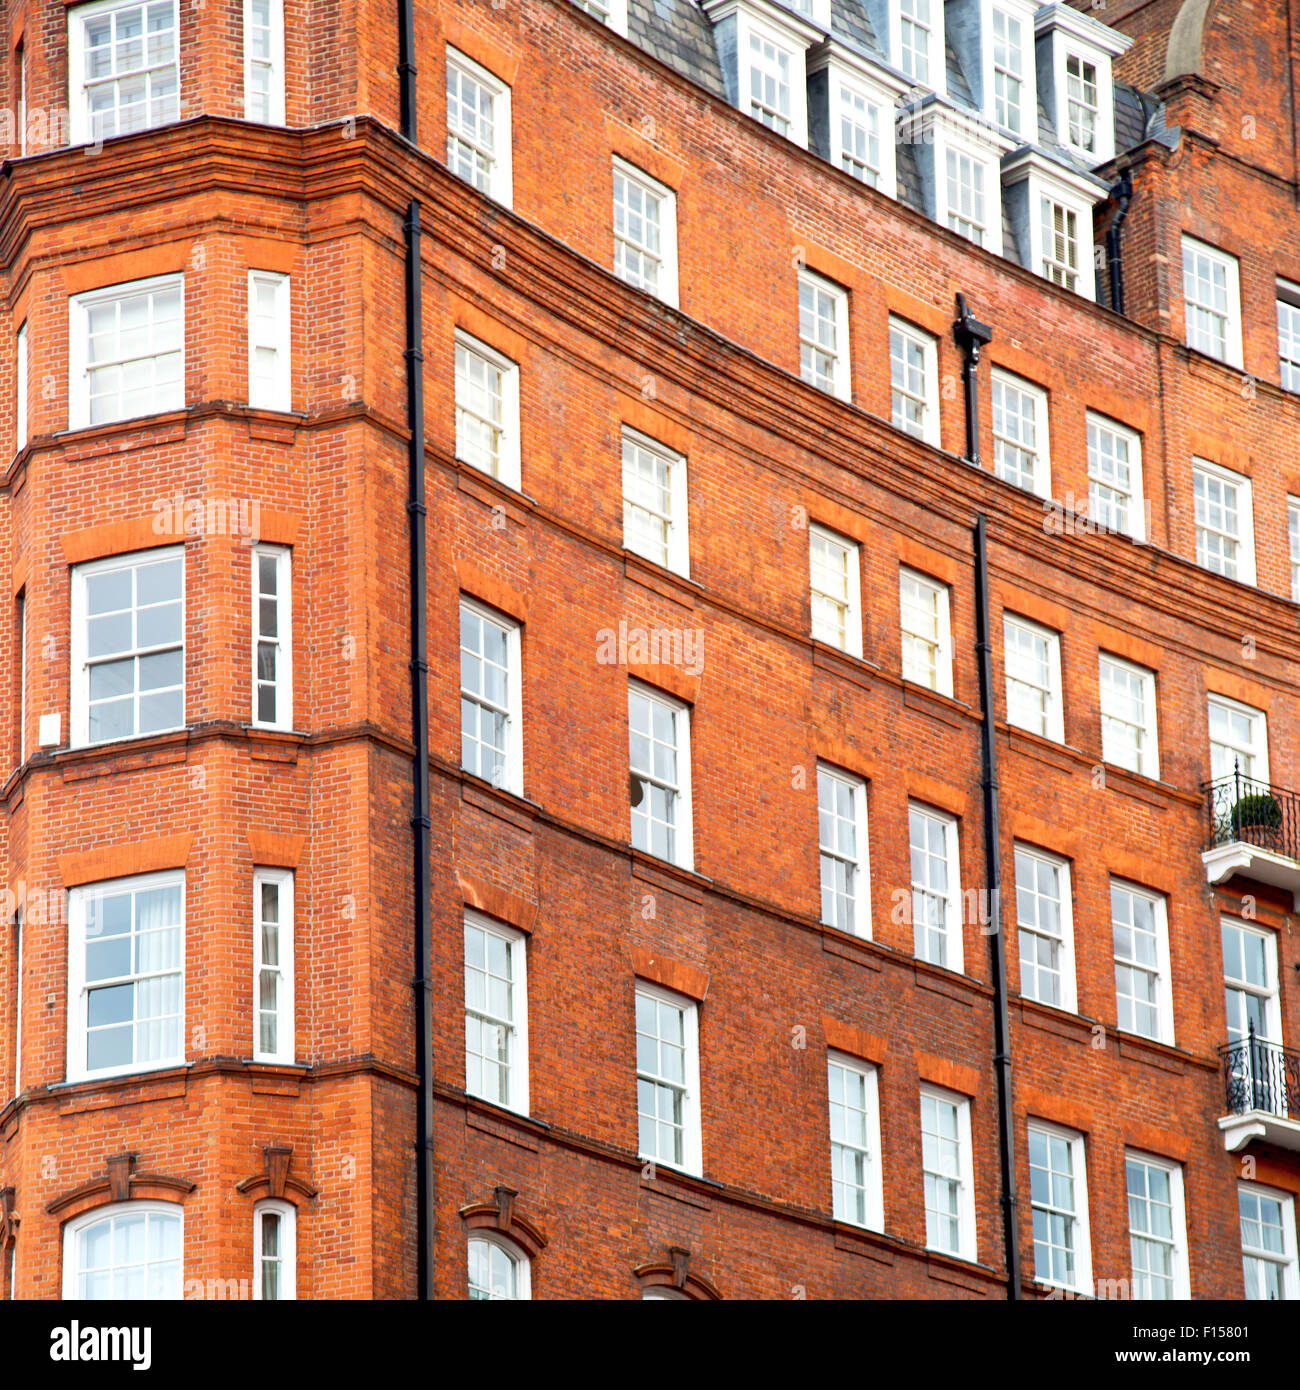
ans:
x=497 y=1269
x=128 y=1250
x=275 y=1251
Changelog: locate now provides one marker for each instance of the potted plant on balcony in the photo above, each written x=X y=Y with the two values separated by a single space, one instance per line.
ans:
x=1258 y=818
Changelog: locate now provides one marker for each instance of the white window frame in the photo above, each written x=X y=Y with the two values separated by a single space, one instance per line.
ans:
x=789 y=35
x=683 y=841
x=984 y=192
x=1257 y=749
x=516 y=944
x=1293 y=544
x=873 y=1201
x=1177 y=1242
x=508 y=453
x=20 y=387
x=79 y=990
x=665 y=280
x=1032 y=855
x=849 y=82
x=80 y=700
x=282 y=556
x=73 y=1229
x=284 y=1053
x=278 y=395
x=1148 y=757
x=513 y=778
x=952 y=925
x=1025 y=128
x=82 y=125
x=859 y=923
x=1244 y=563
x=1074 y=34
x=1163 y=980
x=1103 y=430
x=1288 y=335
x=1076 y=95
x=288 y=1256
x=18 y=1001
x=22 y=675
x=677 y=547
x=1269 y=992
x=1194 y=250
x=79 y=306
x=936 y=76
x=1053 y=707
x=965 y=1177
x=692 y=1139
x=1002 y=382
x=942 y=642
x=1082 y=1243
x=902 y=333
x=519 y=1260
x=1288 y=1260
x=840 y=374
x=499 y=178
x=611 y=13
x=853 y=603
x=1052 y=265
x=274 y=61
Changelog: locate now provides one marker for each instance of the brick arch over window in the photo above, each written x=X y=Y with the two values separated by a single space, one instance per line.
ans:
x=275 y=1180
x=120 y=1183
x=500 y=1215
x=675 y=1273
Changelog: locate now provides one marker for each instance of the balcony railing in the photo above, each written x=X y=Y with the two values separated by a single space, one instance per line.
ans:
x=1240 y=809
x=1261 y=1076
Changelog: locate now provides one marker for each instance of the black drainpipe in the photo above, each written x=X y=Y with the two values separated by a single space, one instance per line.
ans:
x=993 y=874
x=1122 y=193
x=420 y=824
x=970 y=335
x=406 y=65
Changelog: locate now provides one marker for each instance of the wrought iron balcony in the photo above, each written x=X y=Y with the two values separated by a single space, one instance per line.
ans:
x=1261 y=1083
x=1252 y=828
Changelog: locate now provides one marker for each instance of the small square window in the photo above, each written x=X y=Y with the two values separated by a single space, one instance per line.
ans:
x=836 y=596
x=1128 y=715
x=487 y=410
x=478 y=127
x=1032 y=658
x=824 y=334
x=1225 y=521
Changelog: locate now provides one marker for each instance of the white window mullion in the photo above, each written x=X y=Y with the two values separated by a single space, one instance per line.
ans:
x=659 y=754
x=836 y=598
x=1115 y=495
x=1059 y=1208
x=1140 y=937
x=655 y=503
x=926 y=631
x=264 y=61
x=20 y=387
x=824 y=334
x=1021 y=453
x=842 y=849
x=936 y=887
x=947 y=1173
x=914 y=381
x=1157 y=1228
x=487 y=410
x=269 y=338
x=1268 y=1243
x=1045 y=927
x=1128 y=716
x=478 y=127
x=491 y=701
x=272 y=637
x=668 y=1078
x=496 y=1013
x=1032 y=661
x=856 y=1174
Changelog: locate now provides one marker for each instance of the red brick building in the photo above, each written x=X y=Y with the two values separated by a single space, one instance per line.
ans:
x=503 y=497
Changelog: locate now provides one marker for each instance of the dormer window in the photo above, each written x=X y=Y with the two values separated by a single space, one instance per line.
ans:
x=993 y=43
x=967 y=204
x=1082 y=108
x=1050 y=208
x=957 y=157
x=1008 y=71
x=1075 y=53
x=851 y=115
x=920 y=40
x=762 y=46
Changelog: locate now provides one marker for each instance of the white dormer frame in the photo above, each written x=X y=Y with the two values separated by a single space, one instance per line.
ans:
x=1023 y=11
x=1029 y=176
x=847 y=72
x=816 y=12
x=1062 y=31
x=934 y=128
x=938 y=54
x=788 y=30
